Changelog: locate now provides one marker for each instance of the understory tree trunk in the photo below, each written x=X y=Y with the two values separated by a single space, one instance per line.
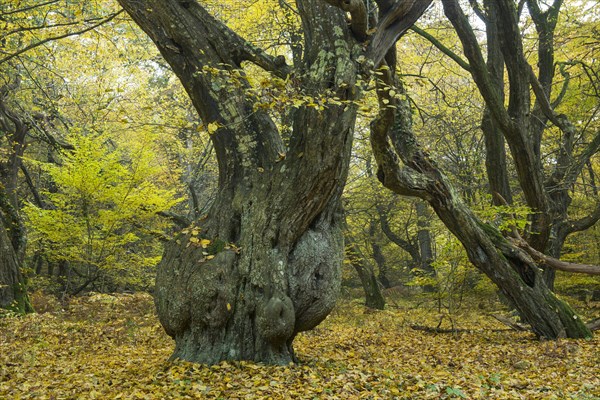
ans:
x=366 y=273
x=13 y=288
x=425 y=246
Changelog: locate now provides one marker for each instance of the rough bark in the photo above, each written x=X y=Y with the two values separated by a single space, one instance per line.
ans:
x=272 y=268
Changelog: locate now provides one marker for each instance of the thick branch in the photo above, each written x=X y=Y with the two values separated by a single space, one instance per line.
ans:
x=555 y=263
x=586 y=222
x=393 y=24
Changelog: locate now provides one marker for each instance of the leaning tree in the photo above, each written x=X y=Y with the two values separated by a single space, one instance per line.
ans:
x=547 y=169
x=264 y=263
x=513 y=263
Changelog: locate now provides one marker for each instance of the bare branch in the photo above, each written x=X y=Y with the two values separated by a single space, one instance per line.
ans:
x=24 y=9
x=440 y=46
x=478 y=11
x=477 y=63
x=575 y=168
x=556 y=263
x=560 y=121
x=49 y=39
x=586 y=222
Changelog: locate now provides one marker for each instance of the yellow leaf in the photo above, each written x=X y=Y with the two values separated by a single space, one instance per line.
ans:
x=212 y=127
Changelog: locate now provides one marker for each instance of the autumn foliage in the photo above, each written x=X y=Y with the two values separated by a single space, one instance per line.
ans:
x=112 y=347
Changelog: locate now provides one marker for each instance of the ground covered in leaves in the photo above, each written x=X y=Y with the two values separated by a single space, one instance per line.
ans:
x=112 y=347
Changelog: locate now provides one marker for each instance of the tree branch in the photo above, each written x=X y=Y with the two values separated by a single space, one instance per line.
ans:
x=575 y=168
x=555 y=263
x=49 y=39
x=441 y=47
x=586 y=222
x=410 y=248
x=393 y=24
x=24 y=9
x=477 y=64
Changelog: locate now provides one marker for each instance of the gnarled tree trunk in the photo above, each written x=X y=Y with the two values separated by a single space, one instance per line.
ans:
x=271 y=266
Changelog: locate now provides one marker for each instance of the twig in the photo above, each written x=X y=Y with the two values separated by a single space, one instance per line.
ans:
x=514 y=325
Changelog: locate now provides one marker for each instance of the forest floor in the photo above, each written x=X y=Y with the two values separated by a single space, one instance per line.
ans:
x=112 y=347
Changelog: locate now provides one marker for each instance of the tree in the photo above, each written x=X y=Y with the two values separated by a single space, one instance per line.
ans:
x=366 y=273
x=13 y=293
x=524 y=126
x=512 y=265
x=265 y=261
x=26 y=27
x=104 y=215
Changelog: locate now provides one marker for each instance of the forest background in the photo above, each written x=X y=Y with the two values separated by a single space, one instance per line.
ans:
x=104 y=159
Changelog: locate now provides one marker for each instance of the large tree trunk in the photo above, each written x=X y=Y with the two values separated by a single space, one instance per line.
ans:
x=271 y=266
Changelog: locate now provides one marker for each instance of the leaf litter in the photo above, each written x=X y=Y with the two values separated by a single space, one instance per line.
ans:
x=112 y=347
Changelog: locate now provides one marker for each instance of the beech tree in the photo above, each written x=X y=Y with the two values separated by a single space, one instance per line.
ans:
x=525 y=124
x=264 y=263
x=511 y=262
